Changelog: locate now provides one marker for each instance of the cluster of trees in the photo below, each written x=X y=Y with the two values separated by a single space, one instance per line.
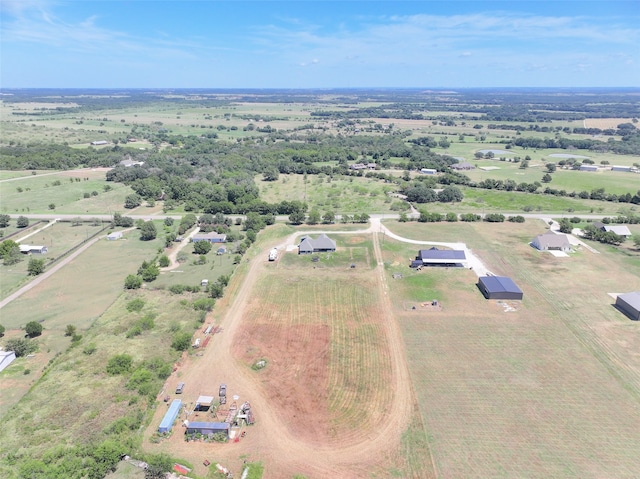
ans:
x=596 y=234
x=427 y=217
x=418 y=192
x=10 y=252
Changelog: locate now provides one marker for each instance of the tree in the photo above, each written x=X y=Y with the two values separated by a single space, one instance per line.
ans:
x=150 y=272
x=10 y=252
x=7 y=246
x=163 y=261
x=22 y=222
x=124 y=221
x=201 y=247
x=70 y=330
x=21 y=346
x=314 y=217
x=271 y=174
x=636 y=241
x=132 y=201
x=329 y=217
x=33 y=329
x=4 y=221
x=1 y=330
x=551 y=167
x=35 y=267
x=132 y=282
x=181 y=341
x=450 y=194
x=547 y=178
x=297 y=217
x=565 y=226
x=148 y=231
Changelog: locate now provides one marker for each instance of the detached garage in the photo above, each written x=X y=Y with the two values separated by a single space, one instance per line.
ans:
x=499 y=287
x=629 y=304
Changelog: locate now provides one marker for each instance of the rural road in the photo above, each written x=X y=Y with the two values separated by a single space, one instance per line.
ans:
x=173 y=261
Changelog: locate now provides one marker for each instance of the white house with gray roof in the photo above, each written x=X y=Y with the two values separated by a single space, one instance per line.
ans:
x=309 y=245
x=551 y=241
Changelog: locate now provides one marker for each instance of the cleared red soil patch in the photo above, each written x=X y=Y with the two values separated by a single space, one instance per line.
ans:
x=297 y=375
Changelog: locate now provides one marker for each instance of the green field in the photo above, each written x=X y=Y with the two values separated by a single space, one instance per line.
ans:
x=58 y=238
x=36 y=194
x=532 y=392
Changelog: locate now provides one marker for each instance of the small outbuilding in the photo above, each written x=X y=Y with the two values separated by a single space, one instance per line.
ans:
x=116 y=235
x=629 y=303
x=204 y=403
x=588 y=168
x=620 y=168
x=499 y=287
x=428 y=171
x=33 y=249
x=551 y=241
x=169 y=418
x=208 y=428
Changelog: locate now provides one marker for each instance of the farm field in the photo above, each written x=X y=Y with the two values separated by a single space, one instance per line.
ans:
x=533 y=392
x=323 y=329
x=58 y=238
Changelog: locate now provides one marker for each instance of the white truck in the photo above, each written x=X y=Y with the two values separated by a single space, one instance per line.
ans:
x=273 y=254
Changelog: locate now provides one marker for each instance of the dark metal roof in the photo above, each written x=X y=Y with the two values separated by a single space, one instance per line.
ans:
x=632 y=299
x=439 y=254
x=499 y=284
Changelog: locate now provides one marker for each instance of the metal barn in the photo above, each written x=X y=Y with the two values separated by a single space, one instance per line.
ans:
x=499 y=287
x=629 y=303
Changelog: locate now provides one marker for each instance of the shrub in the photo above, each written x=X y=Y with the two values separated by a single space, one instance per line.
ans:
x=89 y=349
x=33 y=329
x=181 y=341
x=204 y=304
x=135 y=305
x=119 y=364
x=132 y=282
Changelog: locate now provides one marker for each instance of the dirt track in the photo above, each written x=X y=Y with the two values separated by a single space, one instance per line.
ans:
x=271 y=440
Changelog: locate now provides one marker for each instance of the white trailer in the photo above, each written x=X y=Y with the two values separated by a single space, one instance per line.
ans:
x=273 y=254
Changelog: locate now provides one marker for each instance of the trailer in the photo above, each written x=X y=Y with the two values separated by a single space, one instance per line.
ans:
x=273 y=254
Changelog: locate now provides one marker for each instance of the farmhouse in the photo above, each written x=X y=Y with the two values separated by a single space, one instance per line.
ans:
x=6 y=358
x=169 y=418
x=499 y=287
x=620 y=230
x=588 y=168
x=31 y=249
x=309 y=245
x=207 y=427
x=439 y=257
x=116 y=235
x=629 y=303
x=212 y=237
x=99 y=142
x=551 y=241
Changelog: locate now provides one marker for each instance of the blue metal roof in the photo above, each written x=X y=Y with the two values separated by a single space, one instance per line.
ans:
x=499 y=284
x=170 y=416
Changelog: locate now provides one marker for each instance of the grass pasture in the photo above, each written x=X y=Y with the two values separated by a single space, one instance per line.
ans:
x=77 y=294
x=343 y=196
x=58 y=238
x=534 y=392
x=76 y=401
x=34 y=194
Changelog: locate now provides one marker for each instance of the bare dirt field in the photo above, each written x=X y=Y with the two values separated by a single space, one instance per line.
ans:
x=335 y=395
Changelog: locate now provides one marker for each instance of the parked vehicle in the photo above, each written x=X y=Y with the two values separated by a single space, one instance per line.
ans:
x=180 y=388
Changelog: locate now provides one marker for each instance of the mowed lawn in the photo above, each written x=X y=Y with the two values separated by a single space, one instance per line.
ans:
x=548 y=390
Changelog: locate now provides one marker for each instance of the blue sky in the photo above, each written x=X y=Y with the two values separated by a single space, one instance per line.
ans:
x=318 y=44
